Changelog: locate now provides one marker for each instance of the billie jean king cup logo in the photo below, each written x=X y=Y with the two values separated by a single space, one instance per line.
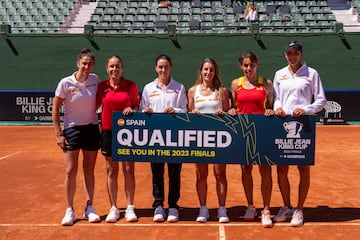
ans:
x=293 y=129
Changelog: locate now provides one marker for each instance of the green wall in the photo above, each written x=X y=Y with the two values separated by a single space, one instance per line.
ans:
x=38 y=62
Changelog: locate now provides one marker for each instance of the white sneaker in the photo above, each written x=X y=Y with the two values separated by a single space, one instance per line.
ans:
x=266 y=219
x=250 y=213
x=203 y=214
x=173 y=215
x=283 y=214
x=113 y=215
x=91 y=215
x=69 y=217
x=159 y=214
x=222 y=216
x=130 y=214
x=297 y=219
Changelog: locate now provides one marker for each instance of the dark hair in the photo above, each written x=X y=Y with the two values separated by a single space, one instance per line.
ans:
x=114 y=56
x=249 y=55
x=163 y=56
x=85 y=52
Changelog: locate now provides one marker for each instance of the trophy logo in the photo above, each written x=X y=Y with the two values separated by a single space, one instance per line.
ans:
x=293 y=129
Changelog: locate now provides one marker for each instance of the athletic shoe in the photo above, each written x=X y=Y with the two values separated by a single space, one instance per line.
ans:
x=130 y=214
x=203 y=214
x=159 y=214
x=69 y=217
x=266 y=219
x=91 y=215
x=297 y=219
x=250 y=213
x=173 y=215
x=222 y=216
x=283 y=214
x=113 y=215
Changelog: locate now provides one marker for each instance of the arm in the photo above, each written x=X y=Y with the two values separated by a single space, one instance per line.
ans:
x=279 y=111
x=182 y=102
x=225 y=102
x=319 y=96
x=57 y=103
x=191 y=104
x=232 y=110
x=269 y=97
x=135 y=100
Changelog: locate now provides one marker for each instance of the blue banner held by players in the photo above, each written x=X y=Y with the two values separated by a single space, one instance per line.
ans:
x=188 y=138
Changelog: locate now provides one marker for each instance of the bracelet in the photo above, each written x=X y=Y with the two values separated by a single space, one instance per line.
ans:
x=59 y=134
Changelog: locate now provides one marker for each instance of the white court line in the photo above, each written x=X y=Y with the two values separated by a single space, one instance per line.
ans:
x=221 y=226
x=222 y=235
x=9 y=155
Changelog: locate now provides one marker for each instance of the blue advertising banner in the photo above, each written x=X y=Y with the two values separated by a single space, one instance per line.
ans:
x=189 y=138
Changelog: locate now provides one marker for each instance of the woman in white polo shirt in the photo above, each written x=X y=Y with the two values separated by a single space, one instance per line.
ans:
x=164 y=95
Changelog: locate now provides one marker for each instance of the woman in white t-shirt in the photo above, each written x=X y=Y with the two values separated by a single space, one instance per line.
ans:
x=208 y=95
x=80 y=131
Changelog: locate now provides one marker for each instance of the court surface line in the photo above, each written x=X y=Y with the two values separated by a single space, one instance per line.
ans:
x=173 y=225
x=222 y=235
x=9 y=155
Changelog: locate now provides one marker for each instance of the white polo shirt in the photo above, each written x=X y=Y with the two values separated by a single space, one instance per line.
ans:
x=79 y=100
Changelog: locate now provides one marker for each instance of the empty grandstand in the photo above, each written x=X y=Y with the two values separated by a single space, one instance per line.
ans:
x=194 y=16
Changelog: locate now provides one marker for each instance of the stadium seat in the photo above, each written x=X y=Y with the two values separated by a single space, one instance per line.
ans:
x=284 y=9
x=194 y=25
x=195 y=3
x=160 y=24
x=206 y=25
x=226 y=3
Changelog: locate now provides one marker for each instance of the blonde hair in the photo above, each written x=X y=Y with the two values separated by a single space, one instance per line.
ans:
x=217 y=84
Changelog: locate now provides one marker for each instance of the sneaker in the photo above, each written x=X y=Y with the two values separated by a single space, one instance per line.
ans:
x=130 y=214
x=283 y=214
x=159 y=214
x=91 y=215
x=297 y=219
x=250 y=213
x=203 y=214
x=173 y=215
x=266 y=219
x=222 y=216
x=69 y=217
x=113 y=215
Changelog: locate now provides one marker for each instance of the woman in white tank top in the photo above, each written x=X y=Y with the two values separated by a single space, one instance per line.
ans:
x=208 y=95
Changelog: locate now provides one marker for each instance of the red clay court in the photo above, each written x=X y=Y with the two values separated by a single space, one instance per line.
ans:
x=32 y=200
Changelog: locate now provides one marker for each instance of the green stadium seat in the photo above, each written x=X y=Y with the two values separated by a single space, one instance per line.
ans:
x=195 y=17
x=149 y=26
x=117 y=18
x=106 y=18
x=137 y=26
x=311 y=3
x=206 y=25
x=218 y=18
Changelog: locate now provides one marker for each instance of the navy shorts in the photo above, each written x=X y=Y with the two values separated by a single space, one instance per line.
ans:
x=86 y=137
x=106 y=145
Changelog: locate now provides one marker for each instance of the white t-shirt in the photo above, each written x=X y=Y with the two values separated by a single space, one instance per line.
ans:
x=301 y=90
x=159 y=99
x=79 y=100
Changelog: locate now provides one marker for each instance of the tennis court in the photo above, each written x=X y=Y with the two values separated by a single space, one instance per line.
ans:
x=32 y=200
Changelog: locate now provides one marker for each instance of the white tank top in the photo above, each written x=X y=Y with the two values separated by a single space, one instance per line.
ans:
x=206 y=104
